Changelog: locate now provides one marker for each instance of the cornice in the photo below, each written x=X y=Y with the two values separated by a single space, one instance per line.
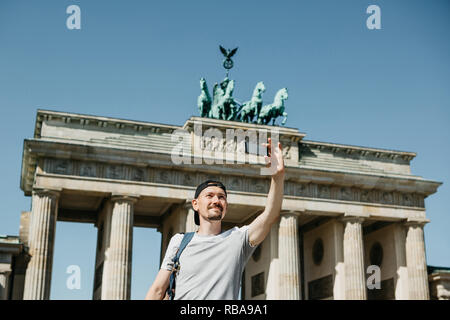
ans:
x=103 y=122
x=360 y=150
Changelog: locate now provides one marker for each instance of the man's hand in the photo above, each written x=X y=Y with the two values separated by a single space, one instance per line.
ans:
x=274 y=158
x=260 y=227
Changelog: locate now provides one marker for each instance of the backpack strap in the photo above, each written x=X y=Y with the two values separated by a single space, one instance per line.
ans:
x=176 y=263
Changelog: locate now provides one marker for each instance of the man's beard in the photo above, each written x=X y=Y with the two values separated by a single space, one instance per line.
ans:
x=217 y=215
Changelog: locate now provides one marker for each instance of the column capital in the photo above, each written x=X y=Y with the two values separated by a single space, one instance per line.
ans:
x=6 y=273
x=412 y=222
x=52 y=193
x=188 y=204
x=119 y=197
x=6 y=270
x=297 y=212
x=352 y=219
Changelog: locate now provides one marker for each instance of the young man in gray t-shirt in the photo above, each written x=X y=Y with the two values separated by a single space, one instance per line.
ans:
x=213 y=261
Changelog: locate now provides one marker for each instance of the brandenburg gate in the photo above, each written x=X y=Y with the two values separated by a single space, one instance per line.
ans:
x=345 y=209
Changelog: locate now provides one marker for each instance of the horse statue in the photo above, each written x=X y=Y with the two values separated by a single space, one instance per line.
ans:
x=223 y=106
x=218 y=93
x=272 y=111
x=204 y=100
x=252 y=108
x=227 y=104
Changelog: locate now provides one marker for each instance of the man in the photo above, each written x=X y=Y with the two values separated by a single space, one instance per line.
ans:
x=211 y=265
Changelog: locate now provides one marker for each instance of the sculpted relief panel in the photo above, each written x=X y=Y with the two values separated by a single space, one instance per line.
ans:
x=235 y=183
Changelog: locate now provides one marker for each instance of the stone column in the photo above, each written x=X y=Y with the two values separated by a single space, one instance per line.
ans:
x=272 y=288
x=116 y=280
x=190 y=224
x=355 y=284
x=4 y=284
x=41 y=242
x=339 y=265
x=103 y=230
x=288 y=253
x=416 y=261
x=401 y=283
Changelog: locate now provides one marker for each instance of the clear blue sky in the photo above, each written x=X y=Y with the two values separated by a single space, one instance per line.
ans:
x=142 y=60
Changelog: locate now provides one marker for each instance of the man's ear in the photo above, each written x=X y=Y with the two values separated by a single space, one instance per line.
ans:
x=195 y=204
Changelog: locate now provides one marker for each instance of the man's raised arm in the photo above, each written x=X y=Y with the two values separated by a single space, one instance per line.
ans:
x=260 y=227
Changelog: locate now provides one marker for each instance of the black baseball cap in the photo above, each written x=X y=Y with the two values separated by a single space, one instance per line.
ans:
x=200 y=188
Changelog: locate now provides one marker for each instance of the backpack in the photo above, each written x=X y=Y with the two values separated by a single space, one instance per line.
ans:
x=176 y=264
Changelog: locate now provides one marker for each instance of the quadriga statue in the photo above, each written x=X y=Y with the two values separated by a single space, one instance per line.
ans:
x=223 y=106
x=251 y=108
x=274 y=110
x=204 y=99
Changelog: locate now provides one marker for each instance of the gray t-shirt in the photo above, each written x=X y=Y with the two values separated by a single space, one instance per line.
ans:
x=210 y=266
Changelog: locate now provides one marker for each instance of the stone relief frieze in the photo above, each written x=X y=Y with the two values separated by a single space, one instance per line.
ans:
x=188 y=179
x=324 y=191
x=163 y=176
x=62 y=166
x=88 y=169
x=287 y=151
x=235 y=183
x=214 y=144
x=301 y=190
x=115 y=172
x=365 y=196
x=407 y=199
x=346 y=193
x=138 y=174
x=388 y=197
x=259 y=187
